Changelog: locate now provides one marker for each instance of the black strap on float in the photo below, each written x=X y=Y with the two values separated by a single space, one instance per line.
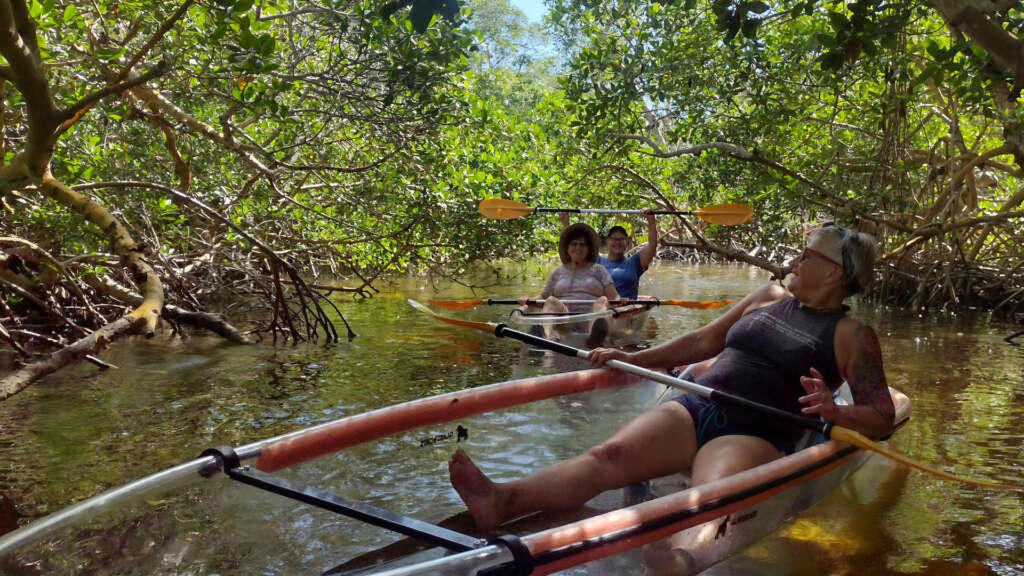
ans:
x=228 y=460
x=522 y=561
x=503 y=331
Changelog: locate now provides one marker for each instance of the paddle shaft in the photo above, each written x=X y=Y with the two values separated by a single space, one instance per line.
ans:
x=614 y=211
x=718 y=396
x=536 y=302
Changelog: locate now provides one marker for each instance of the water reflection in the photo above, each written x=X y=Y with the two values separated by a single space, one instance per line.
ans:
x=81 y=432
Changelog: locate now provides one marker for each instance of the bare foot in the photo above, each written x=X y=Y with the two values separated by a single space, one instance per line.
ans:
x=476 y=490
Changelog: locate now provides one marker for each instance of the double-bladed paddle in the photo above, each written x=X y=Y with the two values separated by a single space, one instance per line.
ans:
x=827 y=429
x=696 y=305
x=722 y=214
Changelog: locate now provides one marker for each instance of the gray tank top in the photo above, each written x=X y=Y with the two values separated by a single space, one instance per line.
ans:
x=766 y=353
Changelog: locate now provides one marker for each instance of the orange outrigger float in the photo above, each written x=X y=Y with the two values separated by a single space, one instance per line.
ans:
x=714 y=520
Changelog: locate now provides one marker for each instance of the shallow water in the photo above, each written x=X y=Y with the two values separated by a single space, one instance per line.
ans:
x=81 y=432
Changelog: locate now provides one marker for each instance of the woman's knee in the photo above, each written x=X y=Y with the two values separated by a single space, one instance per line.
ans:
x=612 y=453
x=553 y=304
x=728 y=455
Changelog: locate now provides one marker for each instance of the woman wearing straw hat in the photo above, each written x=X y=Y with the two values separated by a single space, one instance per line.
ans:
x=579 y=277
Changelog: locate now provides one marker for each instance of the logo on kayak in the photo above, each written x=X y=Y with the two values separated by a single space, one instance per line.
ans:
x=734 y=521
x=461 y=433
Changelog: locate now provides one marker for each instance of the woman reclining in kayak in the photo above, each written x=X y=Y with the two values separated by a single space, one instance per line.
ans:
x=579 y=278
x=788 y=348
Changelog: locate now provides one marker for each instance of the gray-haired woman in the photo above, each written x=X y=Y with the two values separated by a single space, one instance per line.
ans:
x=785 y=347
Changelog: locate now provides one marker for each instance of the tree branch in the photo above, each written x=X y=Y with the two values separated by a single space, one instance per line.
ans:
x=74 y=113
x=156 y=37
x=742 y=153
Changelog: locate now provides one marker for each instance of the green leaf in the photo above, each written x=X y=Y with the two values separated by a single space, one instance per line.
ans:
x=266 y=44
x=70 y=13
x=826 y=40
x=109 y=53
x=246 y=39
x=838 y=20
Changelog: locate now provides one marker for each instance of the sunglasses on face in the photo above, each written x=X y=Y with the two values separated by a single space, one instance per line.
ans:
x=808 y=252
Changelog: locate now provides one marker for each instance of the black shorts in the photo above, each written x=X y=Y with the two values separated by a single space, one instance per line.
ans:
x=710 y=422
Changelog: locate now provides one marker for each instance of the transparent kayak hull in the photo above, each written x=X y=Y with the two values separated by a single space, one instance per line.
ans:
x=625 y=323
x=710 y=522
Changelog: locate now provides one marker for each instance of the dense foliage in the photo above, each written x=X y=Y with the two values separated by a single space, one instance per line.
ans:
x=162 y=160
x=898 y=117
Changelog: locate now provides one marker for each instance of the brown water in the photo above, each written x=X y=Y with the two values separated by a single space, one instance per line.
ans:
x=81 y=432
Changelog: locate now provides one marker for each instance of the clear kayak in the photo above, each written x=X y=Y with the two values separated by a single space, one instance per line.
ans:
x=707 y=523
x=625 y=323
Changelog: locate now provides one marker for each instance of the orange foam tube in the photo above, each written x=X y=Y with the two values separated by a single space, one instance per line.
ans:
x=361 y=428
x=616 y=520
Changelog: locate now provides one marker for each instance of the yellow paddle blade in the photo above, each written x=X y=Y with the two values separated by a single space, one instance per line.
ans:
x=725 y=214
x=502 y=209
x=858 y=439
x=482 y=326
x=705 y=305
x=457 y=304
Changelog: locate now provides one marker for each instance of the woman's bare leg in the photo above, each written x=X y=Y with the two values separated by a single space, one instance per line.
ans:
x=598 y=329
x=553 y=305
x=721 y=457
x=727 y=455
x=659 y=442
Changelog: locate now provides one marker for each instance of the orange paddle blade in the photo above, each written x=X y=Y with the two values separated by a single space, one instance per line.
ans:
x=502 y=209
x=458 y=304
x=725 y=214
x=706 y=305
x=482 y=326
x=858 y=439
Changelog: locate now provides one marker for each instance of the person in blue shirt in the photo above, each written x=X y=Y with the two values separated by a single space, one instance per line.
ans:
x=626 y=272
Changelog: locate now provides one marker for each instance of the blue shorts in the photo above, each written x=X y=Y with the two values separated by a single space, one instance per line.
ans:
x=711 y=422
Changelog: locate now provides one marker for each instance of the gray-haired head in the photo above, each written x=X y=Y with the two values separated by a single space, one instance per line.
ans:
x=854 y=251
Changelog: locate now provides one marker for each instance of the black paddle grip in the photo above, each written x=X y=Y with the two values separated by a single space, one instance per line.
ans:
x=568 y=210
x=502 y=331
